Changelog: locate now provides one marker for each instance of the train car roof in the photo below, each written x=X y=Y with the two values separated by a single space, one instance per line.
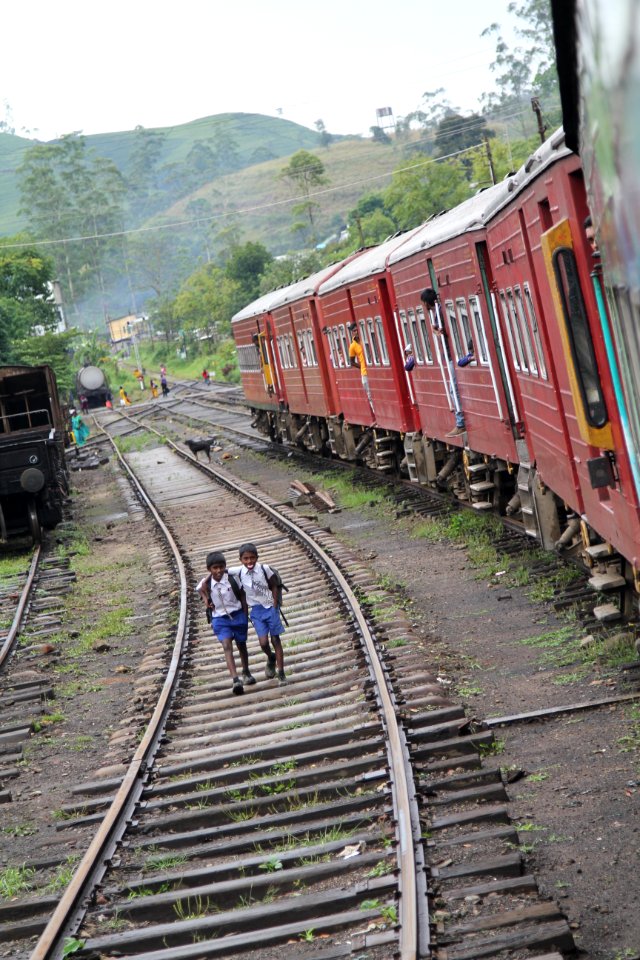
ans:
x=256 y=307
x=369 y=262
x=471 y=214
x=304 y=288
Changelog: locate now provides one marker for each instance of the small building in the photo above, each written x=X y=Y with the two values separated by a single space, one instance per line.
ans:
x=120 y=329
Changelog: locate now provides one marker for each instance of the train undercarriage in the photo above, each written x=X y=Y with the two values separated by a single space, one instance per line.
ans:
x=485 y=483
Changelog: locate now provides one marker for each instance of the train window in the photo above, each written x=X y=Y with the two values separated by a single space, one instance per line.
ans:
x=524 y=326
x=332 y=348
x=345 y=343
x=292 y=356
x=248 y=359
x=584 y=358
x=528 y=299
x=463 y=316
x=335 y=336
x=375 y=350
x=311 y=352
x=455 y=329
x=476 y=313
x=422 y=323
x=507 y=322
x=406 y=336
x=415 y=336
x=364 y=339
x=517 y=332
x=381 y=340
x=302 y=349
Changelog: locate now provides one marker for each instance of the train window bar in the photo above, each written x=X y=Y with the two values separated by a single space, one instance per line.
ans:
x=517 y=331
x=364 y=336
x=533 y=320
x=507 y=323
x=476 y=313
x=313 y=356
x=28 y=420
x=463 y=316
x=422 y=325
x=382 y=341
x=345 y=343
x=405 y=327
x=455 y=329
x=524 y=325
x=374 y=342
x=338 y=346
x=580 y=342
x=415 y=336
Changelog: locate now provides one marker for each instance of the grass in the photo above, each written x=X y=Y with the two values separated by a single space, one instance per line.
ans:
x=15 y=880
x=12 y=566
x=350 y=494
x=136 y=442
x=630 y=742
x=193 y=909
x=157 y=864
x=20 y=830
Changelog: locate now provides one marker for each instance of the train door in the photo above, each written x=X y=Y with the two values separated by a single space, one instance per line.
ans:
x=503 y=367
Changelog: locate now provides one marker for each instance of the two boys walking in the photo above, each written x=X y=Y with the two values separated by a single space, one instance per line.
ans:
x=235 y=595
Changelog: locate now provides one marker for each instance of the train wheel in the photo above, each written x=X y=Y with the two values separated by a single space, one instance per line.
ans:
x=34 y=523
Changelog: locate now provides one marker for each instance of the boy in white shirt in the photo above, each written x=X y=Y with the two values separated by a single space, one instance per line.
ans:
x=229 y=619
x=258 y=582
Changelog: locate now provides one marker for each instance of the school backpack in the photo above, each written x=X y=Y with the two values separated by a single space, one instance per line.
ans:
x=275 y=580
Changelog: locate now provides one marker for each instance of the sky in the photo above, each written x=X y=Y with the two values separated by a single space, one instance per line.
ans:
x=78 y=65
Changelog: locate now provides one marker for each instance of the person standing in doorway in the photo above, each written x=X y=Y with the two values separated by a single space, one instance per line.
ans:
x=357 y=359
x=430 y=299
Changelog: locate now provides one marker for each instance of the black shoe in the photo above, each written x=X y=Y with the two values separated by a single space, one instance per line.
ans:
x=282 y=678
x=247 y=678
x=270 y=669
x=237 y=686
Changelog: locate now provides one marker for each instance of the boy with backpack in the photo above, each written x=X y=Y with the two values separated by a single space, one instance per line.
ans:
x=262 y=587
x=226 y=600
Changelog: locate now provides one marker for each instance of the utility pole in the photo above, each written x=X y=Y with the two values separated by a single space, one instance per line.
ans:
x=490 y=159
x=535 y=106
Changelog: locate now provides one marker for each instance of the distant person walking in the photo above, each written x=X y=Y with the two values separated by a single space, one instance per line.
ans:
x=205 y=376
x=164 y=385
x=154 y=388
x=84 y=403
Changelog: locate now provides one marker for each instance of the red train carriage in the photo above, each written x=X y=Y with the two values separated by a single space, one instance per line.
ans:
x=259 y=374
x=303 y=362
x=541 y=263
x=449 y=255
x=360 y=297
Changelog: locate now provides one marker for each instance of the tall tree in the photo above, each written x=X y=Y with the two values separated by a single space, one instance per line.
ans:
x=144 y=170
x=416 y=194
x=245 y=266
x=206 y=302
x=304 y=172
x=26 y=306
x=69 y=193
x=524 y=70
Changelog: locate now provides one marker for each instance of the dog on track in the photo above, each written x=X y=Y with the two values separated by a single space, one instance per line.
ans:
x=201 y=443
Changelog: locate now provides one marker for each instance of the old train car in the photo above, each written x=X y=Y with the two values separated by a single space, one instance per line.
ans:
x=359 y=297
x=257 y=362
x=544 y=437
x=449 y=255
x=33 y=476
x=303 y=362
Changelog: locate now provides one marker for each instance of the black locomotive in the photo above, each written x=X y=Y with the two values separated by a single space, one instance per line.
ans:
x=33 y=474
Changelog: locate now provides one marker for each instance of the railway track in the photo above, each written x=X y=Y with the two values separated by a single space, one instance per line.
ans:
x=316 y=819
x=30 y=604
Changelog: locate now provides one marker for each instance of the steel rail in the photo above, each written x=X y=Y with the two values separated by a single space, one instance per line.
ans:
x=7 y=646
x=401 y=782
x=112 y=826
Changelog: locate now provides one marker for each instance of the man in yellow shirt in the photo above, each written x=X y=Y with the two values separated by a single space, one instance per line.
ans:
x=356 y=356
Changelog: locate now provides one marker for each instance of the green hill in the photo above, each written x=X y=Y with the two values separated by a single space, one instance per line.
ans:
x=262 y=203
x=246 y=137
